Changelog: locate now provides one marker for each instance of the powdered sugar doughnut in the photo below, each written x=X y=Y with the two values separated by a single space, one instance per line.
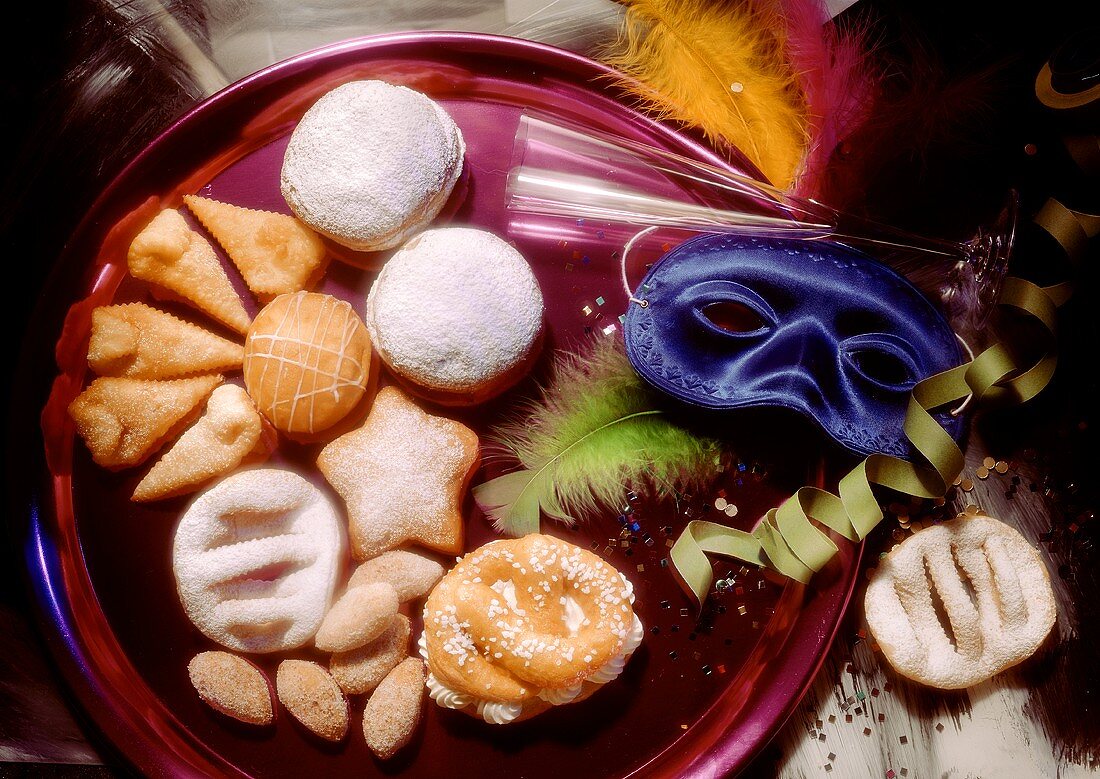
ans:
x=371 y=163
x=256 y=559
x=457 y=312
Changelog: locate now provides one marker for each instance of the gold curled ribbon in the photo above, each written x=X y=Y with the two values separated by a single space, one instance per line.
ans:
x=1071 y=229
x=787 y=539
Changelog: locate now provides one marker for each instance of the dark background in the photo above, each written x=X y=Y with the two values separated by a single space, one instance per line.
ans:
x=84 y=88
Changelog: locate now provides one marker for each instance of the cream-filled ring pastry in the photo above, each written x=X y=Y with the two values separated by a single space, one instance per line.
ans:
x=524 y=624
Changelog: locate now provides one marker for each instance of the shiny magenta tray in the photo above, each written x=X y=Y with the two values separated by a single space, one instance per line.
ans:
x=700 y=698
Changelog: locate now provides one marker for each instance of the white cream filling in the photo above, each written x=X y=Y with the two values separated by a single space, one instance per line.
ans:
x=497 y=713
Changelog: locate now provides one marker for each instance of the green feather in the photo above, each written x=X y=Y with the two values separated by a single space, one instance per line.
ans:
x=596 y=431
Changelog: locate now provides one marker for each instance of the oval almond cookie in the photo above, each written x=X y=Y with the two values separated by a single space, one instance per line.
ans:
x=361 y=615
x=412 y=575
x=393 y=711
x=233 y=686
x=313 y=698
x=360 y=670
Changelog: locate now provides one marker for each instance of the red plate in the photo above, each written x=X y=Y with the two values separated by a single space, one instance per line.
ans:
x=697 y=699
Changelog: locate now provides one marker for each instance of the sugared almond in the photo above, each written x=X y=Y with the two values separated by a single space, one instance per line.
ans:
x=313 y=698
x=233 y=686
x=362 y=614
x=393 y=711
x=411 y=574
x=360 y=670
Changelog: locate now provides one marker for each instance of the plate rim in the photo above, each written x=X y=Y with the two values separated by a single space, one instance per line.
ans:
x=33 y=501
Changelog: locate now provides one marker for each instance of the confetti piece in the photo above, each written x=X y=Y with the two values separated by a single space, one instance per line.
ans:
x=904 y=739
x=866 y=731
x=939 y=727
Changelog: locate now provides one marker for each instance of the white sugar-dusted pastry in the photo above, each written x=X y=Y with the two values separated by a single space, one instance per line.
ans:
x=456 y=312
x=371 y=163
x=995 y=592
x=521 y=625
x=256 y=558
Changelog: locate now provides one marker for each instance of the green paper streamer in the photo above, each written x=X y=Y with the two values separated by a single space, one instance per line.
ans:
x=788 y=541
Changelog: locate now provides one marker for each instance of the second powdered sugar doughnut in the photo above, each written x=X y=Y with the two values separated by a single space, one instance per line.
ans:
x=371 y=163
x=457 y=314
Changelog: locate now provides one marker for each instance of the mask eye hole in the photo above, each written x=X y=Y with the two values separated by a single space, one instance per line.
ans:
x=883 y=359
x=733 y=316
x=882 y=367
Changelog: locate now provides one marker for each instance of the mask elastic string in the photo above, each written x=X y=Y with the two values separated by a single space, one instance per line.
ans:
x=622 y=266
x=966 y=401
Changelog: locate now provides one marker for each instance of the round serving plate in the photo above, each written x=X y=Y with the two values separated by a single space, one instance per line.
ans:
x=699 y=698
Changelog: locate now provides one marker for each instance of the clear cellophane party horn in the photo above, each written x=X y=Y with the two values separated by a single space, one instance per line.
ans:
x=569 y=172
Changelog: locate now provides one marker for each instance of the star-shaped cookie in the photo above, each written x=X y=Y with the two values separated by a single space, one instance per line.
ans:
x=402 y=475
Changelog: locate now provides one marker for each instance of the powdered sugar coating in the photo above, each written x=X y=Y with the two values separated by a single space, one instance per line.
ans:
x=370 y=163
x=993 y=587
x=455 y=309
x=231 y=540
x=402 y=475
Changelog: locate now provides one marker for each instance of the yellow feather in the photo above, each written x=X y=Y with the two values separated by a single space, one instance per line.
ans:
x=719 y=66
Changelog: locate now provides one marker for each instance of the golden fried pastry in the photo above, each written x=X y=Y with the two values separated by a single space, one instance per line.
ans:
x=123 y=421
x=275 y=253
x=306 y=362
x=171 y=255
x=994 y=589
x=523 y=624
x=233 y=686
x=256 y=559
x=393 y=711
x=137 y=341
x=360 y=616
x=402 y=475
x=412 y=575
x=313 y=698
x=228 y=431
x=360 y=670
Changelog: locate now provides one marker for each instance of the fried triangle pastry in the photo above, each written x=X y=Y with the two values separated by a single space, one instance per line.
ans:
x=123 y=421
x=137 y=341
x=275 y=253
x=171 y=255
x=220 y=439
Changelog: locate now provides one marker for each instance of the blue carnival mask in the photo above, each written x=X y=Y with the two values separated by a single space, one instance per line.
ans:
x=820 y=328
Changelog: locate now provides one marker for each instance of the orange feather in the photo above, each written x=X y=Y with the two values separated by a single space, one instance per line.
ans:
x=720 y=66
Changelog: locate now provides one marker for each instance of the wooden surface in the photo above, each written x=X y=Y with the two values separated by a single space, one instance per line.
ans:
x=1039 y=720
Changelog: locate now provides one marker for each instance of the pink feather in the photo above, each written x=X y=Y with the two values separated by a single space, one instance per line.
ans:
x=835 y=77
